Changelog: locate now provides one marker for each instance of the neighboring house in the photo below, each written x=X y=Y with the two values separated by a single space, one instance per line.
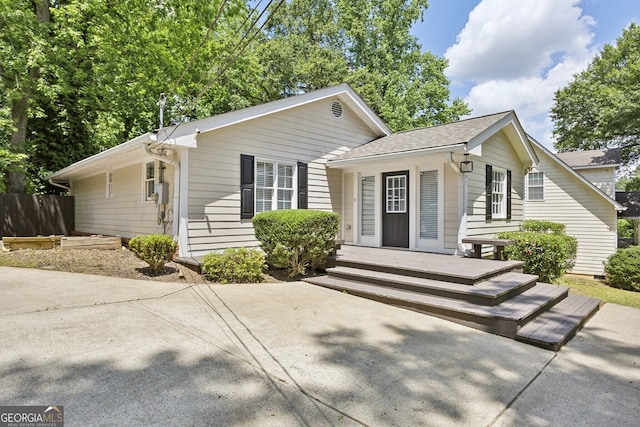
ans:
x=203 y=181
x=578 y=189
x=631 y=201
x=424 y=189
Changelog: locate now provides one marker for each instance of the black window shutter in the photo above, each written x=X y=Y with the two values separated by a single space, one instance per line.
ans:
x=302 y=185
x=489 y=191
x=508 y=194
x=246 y=186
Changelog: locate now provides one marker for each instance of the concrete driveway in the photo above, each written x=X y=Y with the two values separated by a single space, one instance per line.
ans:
x=124 y=352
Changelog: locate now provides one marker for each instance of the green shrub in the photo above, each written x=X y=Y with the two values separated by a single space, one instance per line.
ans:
x=154 y=249
x=299 y=240
x=622 y=269
x=536 y=226
x=548 y=256
x=234 y=265
x=625 y=228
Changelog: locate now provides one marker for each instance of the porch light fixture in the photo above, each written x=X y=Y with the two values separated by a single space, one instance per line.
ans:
x=466 y=165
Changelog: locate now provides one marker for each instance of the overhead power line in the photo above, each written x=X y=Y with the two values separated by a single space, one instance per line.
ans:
x=234 y=57
x=202 y=42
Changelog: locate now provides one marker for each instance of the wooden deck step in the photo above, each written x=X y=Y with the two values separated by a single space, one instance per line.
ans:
x=447 y=268
x=558 y=325
x=489 y=292
x=502 y=319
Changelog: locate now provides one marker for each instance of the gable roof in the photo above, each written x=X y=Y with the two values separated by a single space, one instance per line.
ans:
x=630 y=200
x=617 y=206
x=176 y=134
x=592 y=158
x=185 y=134
x=461 y=135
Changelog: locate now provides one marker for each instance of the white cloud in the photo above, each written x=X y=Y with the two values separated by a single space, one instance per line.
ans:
x=517 y=54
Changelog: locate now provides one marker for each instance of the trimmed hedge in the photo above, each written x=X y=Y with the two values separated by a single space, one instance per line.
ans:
x=298 y=239
x=154 y=249
x=537 y=226
x=622 y=269
x=548 y=256
x=234 y=265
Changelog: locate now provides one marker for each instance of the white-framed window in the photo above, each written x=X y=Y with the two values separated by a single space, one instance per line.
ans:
x=535 y=186
x=397 y=194
x=499 y=194
x=275 y=185
x=149 y=181
x=109 y=179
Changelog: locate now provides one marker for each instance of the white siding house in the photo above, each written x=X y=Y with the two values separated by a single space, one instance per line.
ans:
x=202 y=181
x=425 y=189
x=569 y=189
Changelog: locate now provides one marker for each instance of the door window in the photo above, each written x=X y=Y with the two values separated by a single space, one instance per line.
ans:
x=396 y=194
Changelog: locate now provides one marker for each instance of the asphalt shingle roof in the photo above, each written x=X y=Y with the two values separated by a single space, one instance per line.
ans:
x=577 y=159
x=449 y=134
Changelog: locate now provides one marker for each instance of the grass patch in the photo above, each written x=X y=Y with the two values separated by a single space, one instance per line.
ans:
x=589 y=287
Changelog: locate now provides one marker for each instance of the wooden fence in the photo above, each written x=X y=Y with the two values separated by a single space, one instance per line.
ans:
x=28 y=215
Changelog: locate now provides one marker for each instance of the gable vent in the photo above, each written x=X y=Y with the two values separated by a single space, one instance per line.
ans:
x=336 y=109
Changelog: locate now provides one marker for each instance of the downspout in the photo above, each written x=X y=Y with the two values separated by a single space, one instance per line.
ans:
x=462 y=212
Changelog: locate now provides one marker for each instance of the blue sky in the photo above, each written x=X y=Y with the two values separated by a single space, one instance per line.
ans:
x=514 y=54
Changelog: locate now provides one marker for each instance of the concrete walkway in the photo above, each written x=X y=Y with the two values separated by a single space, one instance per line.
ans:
x=124 y=352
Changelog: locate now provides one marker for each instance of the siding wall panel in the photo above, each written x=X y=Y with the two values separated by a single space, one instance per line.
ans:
x=125 y=214
x=309 y=134
x=498 y=152
x=588 y=217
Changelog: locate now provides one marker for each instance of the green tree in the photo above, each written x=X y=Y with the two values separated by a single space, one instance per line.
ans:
x=631 y=182
x=367 y=43
x=88 y=77
x=23 y=45
x=600 y=108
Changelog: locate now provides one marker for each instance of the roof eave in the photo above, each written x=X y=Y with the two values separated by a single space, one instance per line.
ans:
x=66 y=174
x=388 y=156
x=514 y=130
x=609 y=166
x=344 y=92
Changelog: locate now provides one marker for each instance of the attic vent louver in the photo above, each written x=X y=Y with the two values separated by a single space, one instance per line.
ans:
x=336 y=109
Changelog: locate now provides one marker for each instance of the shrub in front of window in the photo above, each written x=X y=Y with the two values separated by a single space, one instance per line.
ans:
x=235 y=265
x=622 y=269
x=298 y=240
x=548 y=256
x=536 y=226
x=154 y=249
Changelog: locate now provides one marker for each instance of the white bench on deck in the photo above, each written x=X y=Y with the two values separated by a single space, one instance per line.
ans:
x=477 y=243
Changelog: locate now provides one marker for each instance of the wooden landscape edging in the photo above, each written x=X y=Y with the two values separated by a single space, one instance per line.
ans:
x=91 y=242
x=41 y=242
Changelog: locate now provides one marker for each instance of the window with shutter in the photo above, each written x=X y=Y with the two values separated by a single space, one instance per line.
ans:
x=269 y=185
x=498 y=190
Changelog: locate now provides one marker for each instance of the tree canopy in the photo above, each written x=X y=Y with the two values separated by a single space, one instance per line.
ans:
x=80 y=76
x=600 y=108
x=367 y=43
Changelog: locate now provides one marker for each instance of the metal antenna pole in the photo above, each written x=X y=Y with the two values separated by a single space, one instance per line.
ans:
x=162 y=102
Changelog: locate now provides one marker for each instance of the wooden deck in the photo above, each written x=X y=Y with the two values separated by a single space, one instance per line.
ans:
x=493 y=296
